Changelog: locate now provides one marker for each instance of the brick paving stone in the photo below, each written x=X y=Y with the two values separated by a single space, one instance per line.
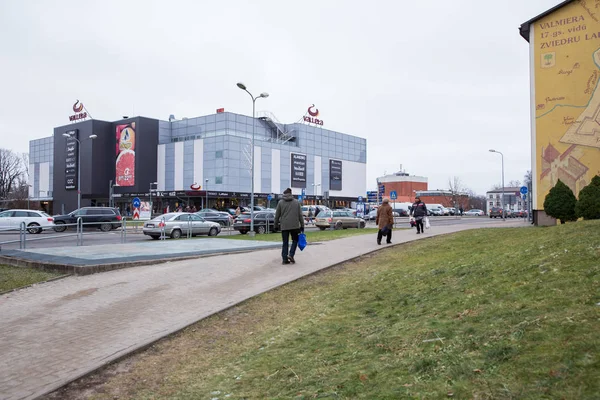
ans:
x=58 y=331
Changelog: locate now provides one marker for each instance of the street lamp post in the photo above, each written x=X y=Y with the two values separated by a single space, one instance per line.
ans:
x=92 y=136
x=502 y=156
x=263 y=95
x=151 y=207
x=206 y=192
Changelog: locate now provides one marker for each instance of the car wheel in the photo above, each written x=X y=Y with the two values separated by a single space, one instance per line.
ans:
x=106 y=227
x=175 y=234
x=338 y=225
x=34 y=228
x=261 y=230
x=361 y=225
x=213 y=232
x=243 y=232
x=222 y=223
x=322 y=228
x=59 y=226
x=154 y=237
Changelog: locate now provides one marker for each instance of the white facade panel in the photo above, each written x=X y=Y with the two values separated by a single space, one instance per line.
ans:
x=257 y=169
x=199 y=162
x=179 y=166
x=275 y=171
x=44 y=179
x=318 y=189
x=160 y=168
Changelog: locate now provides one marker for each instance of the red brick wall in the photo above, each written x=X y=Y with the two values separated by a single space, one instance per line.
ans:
x=404 y=190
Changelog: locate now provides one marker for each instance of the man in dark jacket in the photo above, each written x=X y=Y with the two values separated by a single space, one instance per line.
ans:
x=289 y=217
x=419 y=211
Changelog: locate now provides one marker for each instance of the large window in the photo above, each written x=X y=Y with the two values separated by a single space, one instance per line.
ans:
x=218 y=180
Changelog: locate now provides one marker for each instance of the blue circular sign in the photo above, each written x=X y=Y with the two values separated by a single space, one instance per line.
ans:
x=360 y=199
x=269 y=197
x=523 y=189
x=136 y=202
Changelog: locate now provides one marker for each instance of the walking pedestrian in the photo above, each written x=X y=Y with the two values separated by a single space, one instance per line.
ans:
x=385 y=221
x=289 y=218
x=238 y=212
x=419 y=211
x=310 y=216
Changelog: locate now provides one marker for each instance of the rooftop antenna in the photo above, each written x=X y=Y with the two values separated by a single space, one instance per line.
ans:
x=171 y=118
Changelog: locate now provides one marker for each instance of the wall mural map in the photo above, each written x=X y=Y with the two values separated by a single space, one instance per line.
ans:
x=567 y=100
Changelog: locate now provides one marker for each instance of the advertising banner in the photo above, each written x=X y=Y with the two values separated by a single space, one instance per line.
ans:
x=125 y=161
x=566 y=70
x=298 y=170
x=335 y=175
x=145 y=207
x=71 y=156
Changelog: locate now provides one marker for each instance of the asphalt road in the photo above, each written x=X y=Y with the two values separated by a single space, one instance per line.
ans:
x=95 y=237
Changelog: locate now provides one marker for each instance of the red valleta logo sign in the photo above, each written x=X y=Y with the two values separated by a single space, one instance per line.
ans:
x=195 y=186
x=77 y=109
x=311 y=118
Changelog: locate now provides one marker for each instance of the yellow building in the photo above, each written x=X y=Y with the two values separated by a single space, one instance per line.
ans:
x=564 y=50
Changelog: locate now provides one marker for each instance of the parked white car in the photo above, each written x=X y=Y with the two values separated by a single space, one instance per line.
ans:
x=476 y=212
x=35 y=221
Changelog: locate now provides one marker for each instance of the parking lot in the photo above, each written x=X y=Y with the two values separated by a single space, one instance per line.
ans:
x=92 y=237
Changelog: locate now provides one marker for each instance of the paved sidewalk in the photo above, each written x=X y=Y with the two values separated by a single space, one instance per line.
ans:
x=59 y=331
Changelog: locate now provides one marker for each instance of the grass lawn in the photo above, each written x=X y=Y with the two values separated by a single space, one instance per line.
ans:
x=16 y=277
x=311 y=236
x=484 y=314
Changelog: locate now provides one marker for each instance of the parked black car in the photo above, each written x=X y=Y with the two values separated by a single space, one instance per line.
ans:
x=262 y=220
x=495 y=212
x=103 y=218
x=223 y=218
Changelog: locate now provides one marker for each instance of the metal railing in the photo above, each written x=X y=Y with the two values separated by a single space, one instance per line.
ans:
x=80 y=232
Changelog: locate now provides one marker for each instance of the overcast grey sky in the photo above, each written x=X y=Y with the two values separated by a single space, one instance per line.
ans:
x=431 y=85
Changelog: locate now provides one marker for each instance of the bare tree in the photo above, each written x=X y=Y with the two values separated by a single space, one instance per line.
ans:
x=11 y=169
x=476 y=201
x=514 y=184
x=527 y=179
x=459 y=196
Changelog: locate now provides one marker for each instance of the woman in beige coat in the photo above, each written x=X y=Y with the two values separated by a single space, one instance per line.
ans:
x=385 y=221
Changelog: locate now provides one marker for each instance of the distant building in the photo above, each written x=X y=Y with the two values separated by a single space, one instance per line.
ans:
x=512 y=199
x=403 y=184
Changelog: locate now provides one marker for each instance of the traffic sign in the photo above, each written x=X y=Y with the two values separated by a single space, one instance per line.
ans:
x=303 y=192
x=360 y=199
x=136 y=213
x=136 y=202
x=269 y=197
x=393 y=195
x=524 y=197
x=523 y=189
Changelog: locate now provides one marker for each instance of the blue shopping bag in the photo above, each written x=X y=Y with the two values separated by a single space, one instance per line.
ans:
x=301 y=241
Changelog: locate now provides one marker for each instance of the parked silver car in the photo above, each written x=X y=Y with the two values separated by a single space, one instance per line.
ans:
x=178 y=224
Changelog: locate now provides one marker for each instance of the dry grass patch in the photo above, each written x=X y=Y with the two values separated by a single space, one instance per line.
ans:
x=492 y=313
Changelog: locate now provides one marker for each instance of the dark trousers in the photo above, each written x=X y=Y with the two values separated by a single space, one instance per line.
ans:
x=388 y=236
x=420 y=225
x=285 y=235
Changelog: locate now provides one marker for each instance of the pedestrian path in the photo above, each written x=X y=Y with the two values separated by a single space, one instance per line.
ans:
x=56 y=332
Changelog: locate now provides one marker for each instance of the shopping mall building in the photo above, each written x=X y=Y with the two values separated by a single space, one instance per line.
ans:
x=194 y=160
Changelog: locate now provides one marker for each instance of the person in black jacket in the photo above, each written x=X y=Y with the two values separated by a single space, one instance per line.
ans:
x=419 y=211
